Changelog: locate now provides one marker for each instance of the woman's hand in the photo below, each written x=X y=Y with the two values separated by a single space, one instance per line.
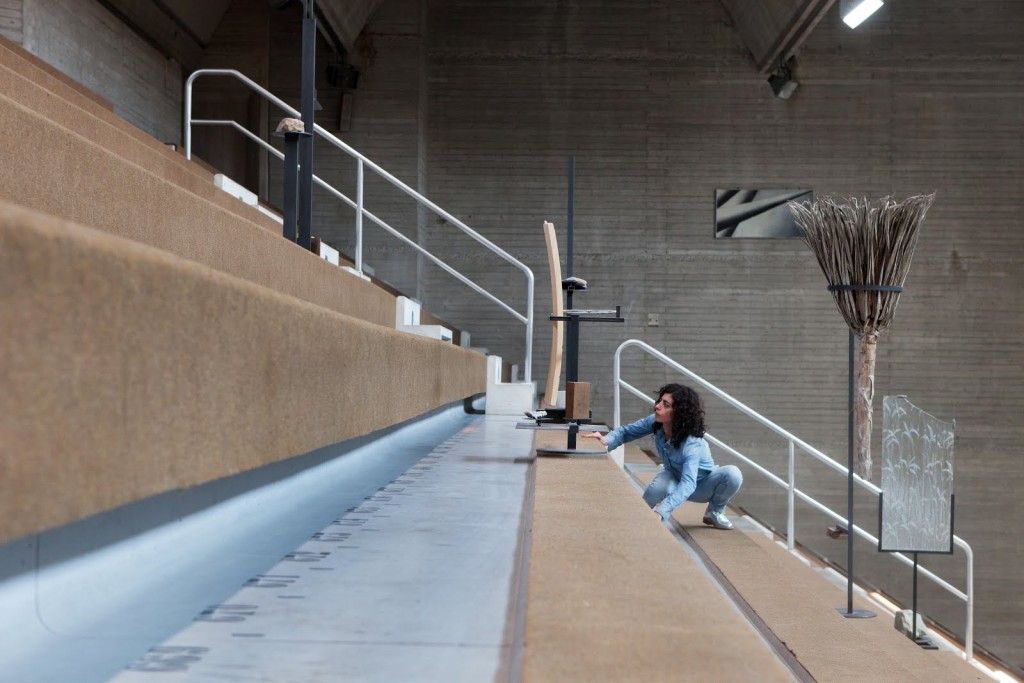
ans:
x=595 y=435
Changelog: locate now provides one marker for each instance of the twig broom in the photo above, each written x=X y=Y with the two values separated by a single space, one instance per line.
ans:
x=865 y=245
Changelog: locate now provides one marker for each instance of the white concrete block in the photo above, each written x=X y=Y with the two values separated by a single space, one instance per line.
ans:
x=493 y=369
x=235 y=190
x=407 y=319
x=407 y=311
x=431 y=331
x=353 y=271
x=511 y=399
x=329 y=253
x=507 y=398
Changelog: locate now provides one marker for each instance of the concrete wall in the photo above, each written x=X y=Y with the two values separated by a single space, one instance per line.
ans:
x=241 y=41
x=12 y=20
x=88 y=43
x=661 y=104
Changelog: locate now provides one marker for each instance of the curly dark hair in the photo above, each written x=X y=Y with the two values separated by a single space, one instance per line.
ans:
x=688 y=413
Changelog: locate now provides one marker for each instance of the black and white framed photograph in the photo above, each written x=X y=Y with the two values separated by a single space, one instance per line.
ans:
x=758 y=213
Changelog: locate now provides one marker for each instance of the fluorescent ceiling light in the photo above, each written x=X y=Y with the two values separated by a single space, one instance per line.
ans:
x=856 y=11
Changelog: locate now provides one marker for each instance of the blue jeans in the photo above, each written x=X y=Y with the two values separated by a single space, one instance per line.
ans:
x=716 y=488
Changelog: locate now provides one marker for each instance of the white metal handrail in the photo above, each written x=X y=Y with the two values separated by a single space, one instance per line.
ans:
x=362 y=162
x=790 y=485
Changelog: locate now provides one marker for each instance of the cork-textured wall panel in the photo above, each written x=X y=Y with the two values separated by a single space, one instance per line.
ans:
x=53 y=79
x=73 y=178
x=127 y=372
x=35 y=88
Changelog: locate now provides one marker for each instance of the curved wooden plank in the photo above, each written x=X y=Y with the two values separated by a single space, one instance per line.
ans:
x=557 y=326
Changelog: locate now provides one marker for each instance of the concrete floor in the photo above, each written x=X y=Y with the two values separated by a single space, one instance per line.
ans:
x=413 y=584
x=474 y=561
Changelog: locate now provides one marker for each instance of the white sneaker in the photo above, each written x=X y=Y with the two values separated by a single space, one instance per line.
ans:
x=717 y=520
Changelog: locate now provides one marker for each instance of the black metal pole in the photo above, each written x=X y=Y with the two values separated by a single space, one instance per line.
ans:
x=913 y=624
x=850 y=612
x=849 y=489
x=571 y=350
x=291 y=162
x=572 y=337
x=572 y=182
x=306 y=143
x=572 y=356
x=572 y=365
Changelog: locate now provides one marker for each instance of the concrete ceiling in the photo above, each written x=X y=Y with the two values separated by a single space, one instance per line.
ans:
x=773 y=30
x=348 y=18
x=180 y=29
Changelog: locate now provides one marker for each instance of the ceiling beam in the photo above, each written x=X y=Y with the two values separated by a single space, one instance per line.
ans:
x=798 y=30
x=347 y=18
x=773 y=30
x=150 y=21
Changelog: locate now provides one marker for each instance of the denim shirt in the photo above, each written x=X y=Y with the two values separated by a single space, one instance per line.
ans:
x=687 y=464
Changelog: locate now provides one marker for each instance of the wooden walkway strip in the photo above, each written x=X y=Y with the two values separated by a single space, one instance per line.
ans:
x=798 y=605
x=613 y=596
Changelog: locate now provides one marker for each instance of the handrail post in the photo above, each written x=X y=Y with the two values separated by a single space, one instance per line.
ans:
x=361 y=211
x=791 y=505
x=967 y=596
x=528 y=363
x=188 y=118
x=969 y=628
x=617 y=389
x=359 y=216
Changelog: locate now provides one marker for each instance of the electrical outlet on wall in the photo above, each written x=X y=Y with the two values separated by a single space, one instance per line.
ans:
x=653 y=320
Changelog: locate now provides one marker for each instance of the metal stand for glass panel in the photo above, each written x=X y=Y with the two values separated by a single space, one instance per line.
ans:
x=921 y=639
x=918 y=541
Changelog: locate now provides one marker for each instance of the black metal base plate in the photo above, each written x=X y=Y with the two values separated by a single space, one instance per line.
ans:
x=569 y=451
x=856 y=614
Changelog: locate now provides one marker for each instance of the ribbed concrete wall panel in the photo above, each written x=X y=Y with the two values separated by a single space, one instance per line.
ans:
x=86 y=41
x=661 y=104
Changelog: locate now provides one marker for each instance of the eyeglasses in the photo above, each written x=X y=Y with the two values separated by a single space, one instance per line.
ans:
x=668 y=406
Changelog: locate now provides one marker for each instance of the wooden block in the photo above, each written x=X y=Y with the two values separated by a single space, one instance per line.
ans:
x=577 y=400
